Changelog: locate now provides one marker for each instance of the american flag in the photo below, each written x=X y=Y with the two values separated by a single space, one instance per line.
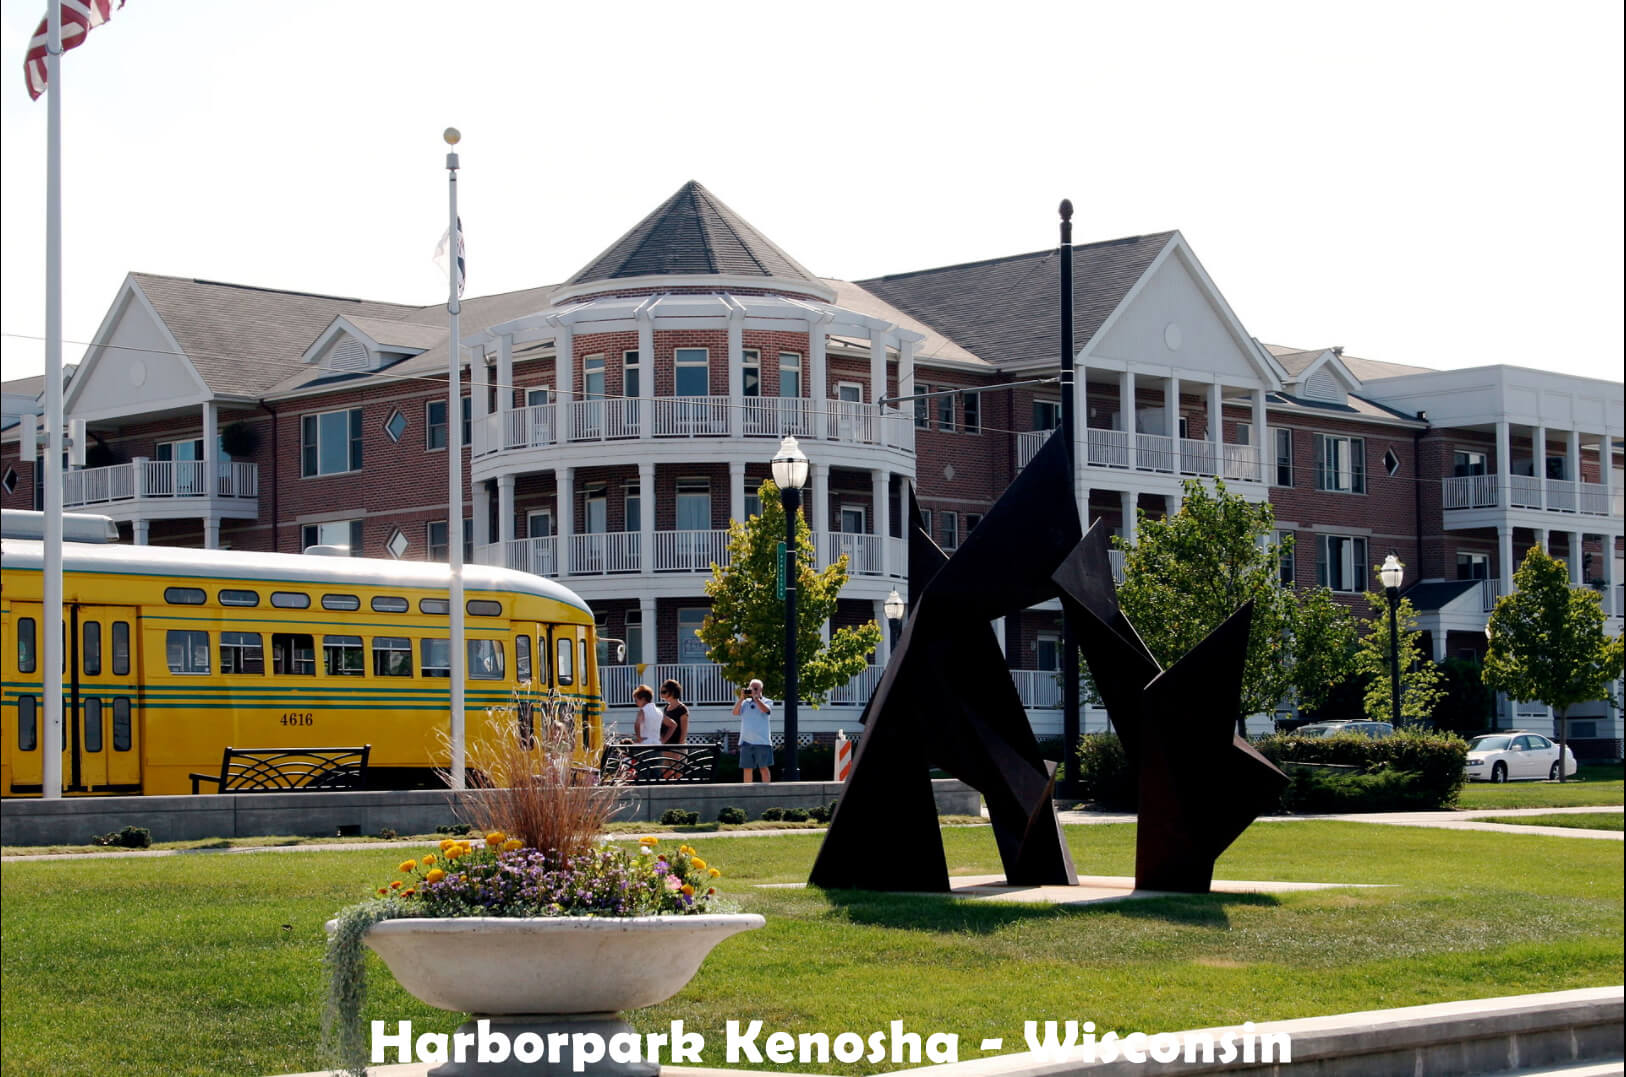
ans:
x=79 y=17
x=442 y=253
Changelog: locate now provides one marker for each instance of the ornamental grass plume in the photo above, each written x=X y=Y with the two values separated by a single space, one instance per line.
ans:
x=527 y=779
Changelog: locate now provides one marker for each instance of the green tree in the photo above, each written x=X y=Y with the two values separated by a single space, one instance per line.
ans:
x=1547 y=641
x=1420 y=689
x=1188 y=572
x=745 y=630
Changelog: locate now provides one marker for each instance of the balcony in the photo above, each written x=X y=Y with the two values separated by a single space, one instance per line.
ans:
x=1155 y=454
x=1525 y=492
x=160 y=487
x=621 y=552
x=692 y=417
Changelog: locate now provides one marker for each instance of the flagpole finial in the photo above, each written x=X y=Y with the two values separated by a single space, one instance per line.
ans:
x=452 y=136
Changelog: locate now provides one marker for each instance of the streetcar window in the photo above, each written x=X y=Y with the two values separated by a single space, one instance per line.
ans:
x=239 y=598
x=290 y=600
x=184 y=596
x=187 y=650
x=341 y=656
x=92 y=718
x=121 y=648
x=434 y=605
x=392 y=656
x=121 y=724
x=25 y=645
x=241 y=652
x=485 y=659
x=541 y=658
x=435 y=657
x=484 y=607
x=27 y=724
x=566 y=663
x=293 y=654
x=522 y=657
x=92 y=649
x=341 y=602
x=389 y=604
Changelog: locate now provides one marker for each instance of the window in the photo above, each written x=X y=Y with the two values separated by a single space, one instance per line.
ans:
x=121 y=648
x=691 y=374
x=25 y=645
x=1244 y=433
x=596 y=512
x=397 y=544
x=238 y=598
x=1046 y=415
x=790 y=374
x=1556 y=467
x=341 y=602
x=753 y=501
x=539 y=396
x=184 y=596
x=693 y=505
x=951 y=530
x=346 y=533
x=1047 y=649
x=434 y=424
x=971 y=409
x=395 y=425
x=1473 y=566
x=122 y=740
x=92 y=717
x=392 y=656
x=922 y=413
x=1340 y=464
x=1284 y=558
x=435 y=657
x=1391 y=462
x=341 y=656
x=593 y=377
x=629 y=374
x=389 y=604
x=91 y=648
x=751 y=372
x=293 y=654
x=691 y=648
x=926 y=521
x=28 y=732
x=485 y=659
x=945 y=412
x=566 y=664
x=1341 y=563
x=241 y=653
x=187 y=651
x=632 y=508
x=1468 y=462
x=330 y=443
x=635 y=637
x=483 y=607
x=1284 y=457
x=290 y=600
x=435 y=607
x=853 y=520
x=522 y=657
x=437 y=540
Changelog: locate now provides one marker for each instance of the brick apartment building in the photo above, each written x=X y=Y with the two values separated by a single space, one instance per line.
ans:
x=615 y=423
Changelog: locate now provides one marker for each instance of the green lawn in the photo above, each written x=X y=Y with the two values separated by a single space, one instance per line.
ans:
x=210 y=964
x=1579 y=821
x=1595 y=786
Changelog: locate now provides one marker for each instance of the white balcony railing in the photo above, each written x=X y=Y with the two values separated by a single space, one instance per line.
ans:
x=535 y=555
x=690 y=551
x=1468 y=492
x=1115 y=559
x=1241 y=461
x=604 y=553
x=1198 y=457
x=1028 y=444
x=165 y=479
x=1154 y=452
x=863 y=552
x=1106 y=448
x=1525 y=492
x=1038 y=687
x=1489 y=592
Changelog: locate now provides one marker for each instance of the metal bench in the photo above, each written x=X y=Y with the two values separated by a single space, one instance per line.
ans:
x=661 y=764
x=288 y=770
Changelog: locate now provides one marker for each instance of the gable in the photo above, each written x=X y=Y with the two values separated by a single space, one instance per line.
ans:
x=1174 y=317
x=134 y=366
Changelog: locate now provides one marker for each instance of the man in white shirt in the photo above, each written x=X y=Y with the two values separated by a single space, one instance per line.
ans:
x=756 y=734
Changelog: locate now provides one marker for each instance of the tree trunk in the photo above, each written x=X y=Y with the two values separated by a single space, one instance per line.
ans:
x=1563 y=740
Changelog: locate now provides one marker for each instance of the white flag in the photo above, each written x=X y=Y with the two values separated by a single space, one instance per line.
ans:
x=443 y=247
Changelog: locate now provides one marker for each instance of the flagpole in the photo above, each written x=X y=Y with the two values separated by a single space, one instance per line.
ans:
x=454 y=469
x=51 y=615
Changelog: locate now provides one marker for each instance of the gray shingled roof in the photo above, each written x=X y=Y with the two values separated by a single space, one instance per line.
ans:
x=242 y=339
x=1006 y=309
x=1428 y=597
x=692 y=233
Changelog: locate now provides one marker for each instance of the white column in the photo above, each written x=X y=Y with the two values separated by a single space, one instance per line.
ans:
x=1437 y=642
x=139 y=532
x=1261 y=439
x=1606 y=468
x=818 y=380
x=736 y=490
x=1126 y=414
x=479 y=390
x=564 y=375
x=906 y=369
x=1538 y=452
x=565 y=513
x=1572 y=464
x=646 y=514
x=505 y=374
x=999 y=634
x=505 y=513
x=1216 y=426
x=879 y=481
x=211 y=462
x=1171 y=504
x=877 y=365
x=646 y=613
x=1504 y=465
x=1504 y=551
x=883 y=649
x=817 y=506
x=1129 y=501
x=1610 y=607
x=1576 y=538
x=646 y=376
x=736 y=372
x=1171 y=408
x=211 y=532
x=482 y=513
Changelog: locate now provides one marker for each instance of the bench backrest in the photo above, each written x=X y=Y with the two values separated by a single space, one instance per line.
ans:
x=270 y=770
x=662 y=764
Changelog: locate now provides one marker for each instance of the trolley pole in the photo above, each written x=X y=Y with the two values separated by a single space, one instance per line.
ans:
x=454 y=466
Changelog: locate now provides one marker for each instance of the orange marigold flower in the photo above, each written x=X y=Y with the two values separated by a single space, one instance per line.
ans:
x=409 y=865
x=428 y=858
x=496 y=837
x=408 y=893
x=396 y=885
x=699 y=864
x=713 y=872
x=435 y=875
x=689 y=890
x=511 y=844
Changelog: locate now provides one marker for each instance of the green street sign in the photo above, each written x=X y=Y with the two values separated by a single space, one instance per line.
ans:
x=779 y=573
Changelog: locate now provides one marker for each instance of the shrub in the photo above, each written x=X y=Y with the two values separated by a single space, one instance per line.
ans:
x=773 y=815
x=1104 y=774
x=732 y=815
x=388 y=833
x=679 y=817
x=453 y=828
x=131 y=837
x=822 y=813
x=1414 y=769
x=796 y=815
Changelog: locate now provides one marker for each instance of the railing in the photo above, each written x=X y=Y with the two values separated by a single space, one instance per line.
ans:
x=1038 y=687
x=1560 y=495
x=1106 y=448
x=1028 y=444
x=691 y=416
x=863 y=552
x=1154 y=452
x=536 y=555
x=1115 y=558
x=140 y=479
x=690 y=551
x=1620 y=601
x=604 y=420
x=1525 y=492
x=1241 y=461
x=1198 y=457
x=603 y=553
x=1489 y=592
x=856 y=692
x=1468 y=492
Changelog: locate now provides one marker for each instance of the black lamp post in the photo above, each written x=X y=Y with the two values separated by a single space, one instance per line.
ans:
x=790 y=475
x=1392 y=573
x=1069 y=423
x=894 y=608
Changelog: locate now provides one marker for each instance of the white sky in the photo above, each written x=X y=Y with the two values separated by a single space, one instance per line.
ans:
x=1430 y=183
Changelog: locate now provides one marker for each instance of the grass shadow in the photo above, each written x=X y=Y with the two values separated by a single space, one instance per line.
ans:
x=947 y=914
x=1196 y=910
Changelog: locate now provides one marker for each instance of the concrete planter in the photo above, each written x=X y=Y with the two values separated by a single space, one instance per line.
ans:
x=571 y=974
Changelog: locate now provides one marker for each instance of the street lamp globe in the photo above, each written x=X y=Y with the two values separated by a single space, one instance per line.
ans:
x=1392 y=573
x=789 y=466
x=894 y=607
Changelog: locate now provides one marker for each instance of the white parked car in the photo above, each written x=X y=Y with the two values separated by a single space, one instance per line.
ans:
x=1501 y=757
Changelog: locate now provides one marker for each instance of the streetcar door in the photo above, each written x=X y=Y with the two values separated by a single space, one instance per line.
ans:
x=104 y=701
x=24 y=730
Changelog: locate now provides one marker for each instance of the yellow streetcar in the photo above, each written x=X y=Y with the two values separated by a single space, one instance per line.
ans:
x=172 y=655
